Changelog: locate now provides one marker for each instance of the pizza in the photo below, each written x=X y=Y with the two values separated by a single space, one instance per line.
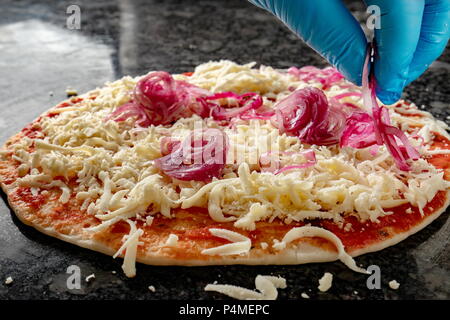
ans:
x=229 y=164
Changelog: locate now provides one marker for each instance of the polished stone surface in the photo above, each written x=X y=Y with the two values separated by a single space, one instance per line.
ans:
x=40 y=57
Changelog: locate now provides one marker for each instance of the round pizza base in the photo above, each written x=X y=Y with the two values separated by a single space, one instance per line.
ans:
x=301 y=251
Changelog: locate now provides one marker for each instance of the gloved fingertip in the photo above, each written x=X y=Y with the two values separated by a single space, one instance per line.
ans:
x=354 y=78
x=414 y=74
x=389 y=86
x=357 y=81
x=388 y=97
x=352 y=68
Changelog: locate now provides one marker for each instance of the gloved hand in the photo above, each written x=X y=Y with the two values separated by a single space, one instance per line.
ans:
x=413 y=34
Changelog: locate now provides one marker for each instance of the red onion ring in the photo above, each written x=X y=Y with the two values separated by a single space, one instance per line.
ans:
x=246 y=102
x=168 y=145
x=159 y=99
x=307 y=114
x=197 y=159
x=363 y=130
x=347 y=94
x=327 y=76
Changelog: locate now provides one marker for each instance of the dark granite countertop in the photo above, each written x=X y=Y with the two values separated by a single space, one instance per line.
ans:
x=40 y=57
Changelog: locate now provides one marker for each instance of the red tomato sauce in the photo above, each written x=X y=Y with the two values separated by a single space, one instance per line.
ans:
x=120 y=227
x=31 y=130
x=63 y=105
x=363 y=234
x=71 y=102
x=76 y=100
x=201 y=234
x=441 y=160
x=24 y=194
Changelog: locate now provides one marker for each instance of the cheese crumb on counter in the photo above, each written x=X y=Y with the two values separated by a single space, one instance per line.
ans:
x=325 y=282
x=151 y=288
x=9 y=280
x=304 y=295
x=394 y=284
x=90 y=277
x=71 y=92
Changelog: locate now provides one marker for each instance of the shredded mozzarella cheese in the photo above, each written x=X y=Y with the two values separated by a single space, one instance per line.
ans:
x=307 y=231
x=267 y=286
x=130 y=245
x=241 y=244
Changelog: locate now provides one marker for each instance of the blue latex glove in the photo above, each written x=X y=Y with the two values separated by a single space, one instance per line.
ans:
x=413 y=34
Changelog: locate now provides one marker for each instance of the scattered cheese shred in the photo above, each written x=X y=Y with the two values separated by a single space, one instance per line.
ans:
x=266 y=285
x=130 y=245
x=241 y=244
x=90 y=277
x=308 y=231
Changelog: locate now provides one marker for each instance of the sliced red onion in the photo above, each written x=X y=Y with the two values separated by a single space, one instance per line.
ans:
x=350 y=105
x=347 y=94
x=307 y=114
x=160 y=99
x=374 y=150
x=345 y=107
x=327 y=76
x=168 y=145
x=260 y=114
x=359 y=131
x=265 y=159
x=363 y=130
x=200 y=157
x=309 y=155
x=131 y=110
x=245 y=102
